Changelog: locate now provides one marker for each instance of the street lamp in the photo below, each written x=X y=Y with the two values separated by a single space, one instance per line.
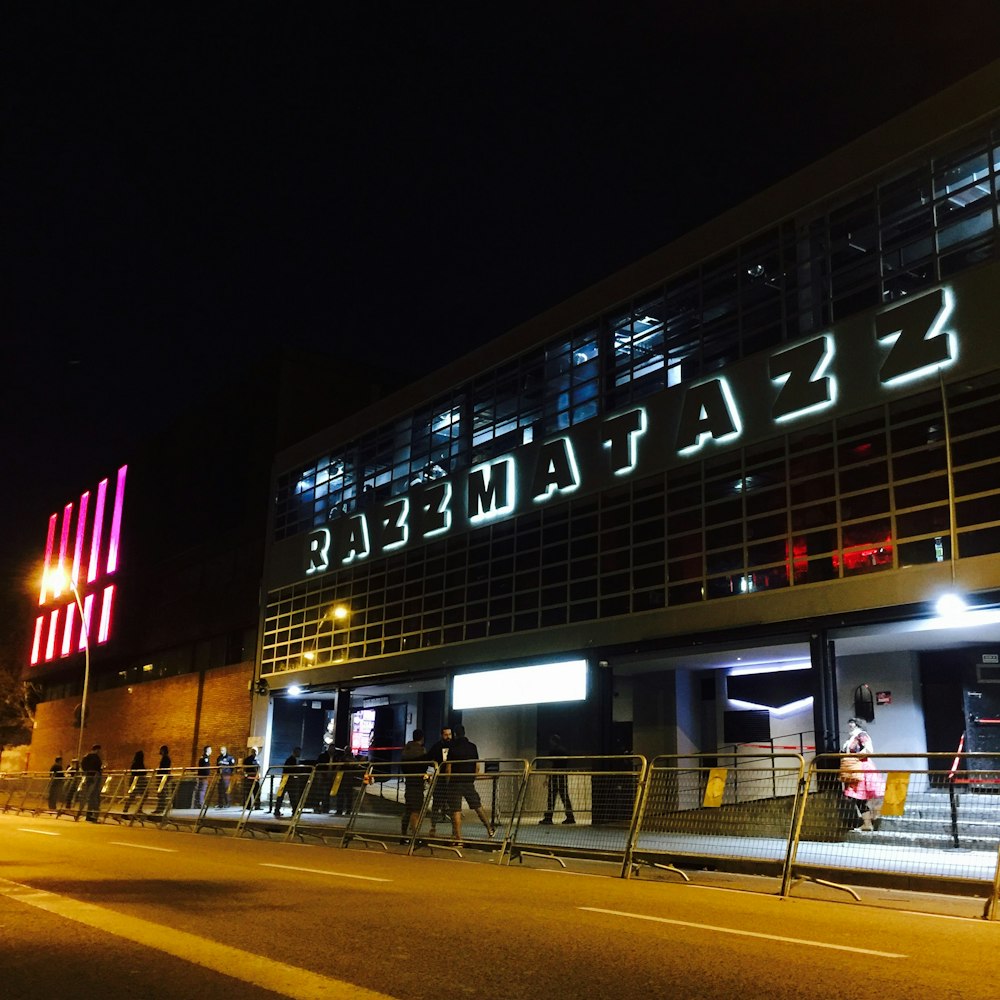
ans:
x=58 y=579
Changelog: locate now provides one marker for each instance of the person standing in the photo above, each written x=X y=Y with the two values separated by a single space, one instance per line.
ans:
x=251 y=780
x=323 y=780
x=558 y=783
x=225 y=762
x=56 y=779
x=413 y=764
x=72 y=782
x=203 y=772
x=462 y=766
x=138 y=779
x=862 y=783
x=438 y=753
x=92 y=767
x=163 y=779
x=289 y=779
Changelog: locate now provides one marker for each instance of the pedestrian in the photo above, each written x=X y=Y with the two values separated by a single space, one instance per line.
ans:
x=461 y=767
x=288 y=782
x=862 y=783
x=72 y=781
x=203 y=772
x=413 y=765
x=343 y=803
x=138 y=779
x=56 y=780
x=251 y=780
x=225 y=763
x=323 y=780
x=163 y=779
x=438 y=753
x=558 y=783
x=92 y=767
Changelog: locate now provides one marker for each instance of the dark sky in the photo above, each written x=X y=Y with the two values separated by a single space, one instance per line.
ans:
x=186 y=186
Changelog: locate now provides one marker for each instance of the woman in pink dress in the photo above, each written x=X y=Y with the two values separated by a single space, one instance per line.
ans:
x=864 y=783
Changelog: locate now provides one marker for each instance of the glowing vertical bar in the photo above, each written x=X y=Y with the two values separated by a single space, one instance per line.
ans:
x=104 y=629
x=36 y=645
x=116 y=520
x=50 y=643
x=81 y=530
x=67 y=643
x=88 y=608
x=67 y=520
x=43 y=593
x=95 y=538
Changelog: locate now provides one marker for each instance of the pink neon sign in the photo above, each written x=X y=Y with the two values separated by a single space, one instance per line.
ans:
x=78 y=531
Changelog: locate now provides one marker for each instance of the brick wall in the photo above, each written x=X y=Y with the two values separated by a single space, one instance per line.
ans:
x=184 y=712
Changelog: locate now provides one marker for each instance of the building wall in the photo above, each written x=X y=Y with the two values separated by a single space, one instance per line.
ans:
x=184 y=712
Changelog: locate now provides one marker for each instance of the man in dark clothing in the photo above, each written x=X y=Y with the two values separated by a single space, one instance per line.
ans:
x=461 y=767
x=439 y=754
x=225 y=762
x=558 y=784
x=323 y=780
x=413 y=765
x=92 y=766
x=289 y=782
x=56 y=774
x=163 y=779
x=204 y=772
x=251 y=780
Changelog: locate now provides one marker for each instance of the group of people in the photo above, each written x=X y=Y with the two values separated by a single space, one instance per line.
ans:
x=456 y=757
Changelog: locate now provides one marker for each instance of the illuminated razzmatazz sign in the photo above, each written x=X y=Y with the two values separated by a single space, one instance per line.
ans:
x=81 y=552
x=841 y=370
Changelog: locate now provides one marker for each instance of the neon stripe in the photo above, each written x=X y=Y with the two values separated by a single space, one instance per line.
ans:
x=63 y=543
x=48 y=559
x=88 y=608
x=67 y=642
x=50 y=643
x=37 y=642
x=116 y=520
x=95 y=538
x=81 y=530
x=105 y=627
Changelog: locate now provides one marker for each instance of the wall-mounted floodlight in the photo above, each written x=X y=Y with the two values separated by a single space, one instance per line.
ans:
x=295 y=690
x=950 y=606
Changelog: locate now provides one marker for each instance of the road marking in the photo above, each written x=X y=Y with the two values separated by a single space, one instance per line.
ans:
x=321 y=871
x=41 y=833
x=752 y=934
x=144 y=847
x=245 y=966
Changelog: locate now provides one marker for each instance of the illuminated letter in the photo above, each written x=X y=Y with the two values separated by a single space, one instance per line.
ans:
x=354 y=541
x=709 y=412
x=919 y=342
x=491 y=490
x=556 y=470
x=395 y=530
x=799 y=375
x=621 y=438
x=319 y=552
x=436 y=509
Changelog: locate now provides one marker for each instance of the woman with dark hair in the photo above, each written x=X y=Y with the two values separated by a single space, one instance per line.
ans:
x=138 y=777
x=862 y=783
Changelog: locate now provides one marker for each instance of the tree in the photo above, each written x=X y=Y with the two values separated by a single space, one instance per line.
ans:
x=17 y=701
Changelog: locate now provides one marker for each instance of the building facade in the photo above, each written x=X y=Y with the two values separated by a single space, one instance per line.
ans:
x=711 y=501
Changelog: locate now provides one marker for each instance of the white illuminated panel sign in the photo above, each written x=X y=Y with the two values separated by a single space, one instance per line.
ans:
x=546 y=682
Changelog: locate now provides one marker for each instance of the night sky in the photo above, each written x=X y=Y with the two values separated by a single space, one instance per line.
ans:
x=186 y=187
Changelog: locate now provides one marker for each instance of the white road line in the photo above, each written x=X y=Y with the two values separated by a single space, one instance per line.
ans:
x=245 y=966
x=42 y=833
x=752 y=934
x=144 y=847
x=321 y=871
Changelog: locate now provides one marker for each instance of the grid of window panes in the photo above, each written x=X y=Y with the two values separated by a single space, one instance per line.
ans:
x=860 y=495
x=889 y=239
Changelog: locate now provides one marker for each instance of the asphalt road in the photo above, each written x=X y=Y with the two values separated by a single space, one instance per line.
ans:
x=87 y=910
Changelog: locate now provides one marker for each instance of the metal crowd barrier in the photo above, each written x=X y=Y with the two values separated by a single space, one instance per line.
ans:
x=735 y=811
x=933 y=828
x=579 y=807
x=935 y=821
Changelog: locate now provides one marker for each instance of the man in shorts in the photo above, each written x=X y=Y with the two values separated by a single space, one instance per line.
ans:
x=461 y=769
